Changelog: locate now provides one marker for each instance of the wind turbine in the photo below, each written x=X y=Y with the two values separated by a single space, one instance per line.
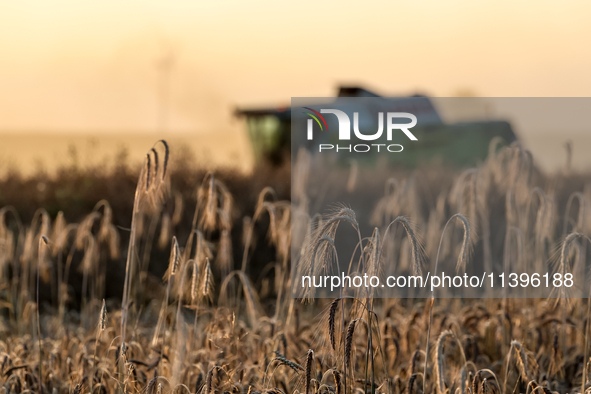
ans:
x=164 y=66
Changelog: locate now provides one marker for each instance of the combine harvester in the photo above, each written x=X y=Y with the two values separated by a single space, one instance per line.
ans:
x=454 y=144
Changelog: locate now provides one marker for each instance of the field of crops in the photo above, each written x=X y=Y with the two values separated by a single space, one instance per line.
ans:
x=221 y=318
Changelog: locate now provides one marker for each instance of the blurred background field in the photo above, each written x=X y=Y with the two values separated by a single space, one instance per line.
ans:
x=31 y=152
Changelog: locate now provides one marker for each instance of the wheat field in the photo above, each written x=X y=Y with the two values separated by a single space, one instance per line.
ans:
x=222 y=319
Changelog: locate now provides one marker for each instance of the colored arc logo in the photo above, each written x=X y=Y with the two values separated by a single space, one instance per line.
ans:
x=315 y=116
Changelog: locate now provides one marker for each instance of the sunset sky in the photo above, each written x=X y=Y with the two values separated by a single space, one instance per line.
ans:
x=80 y=66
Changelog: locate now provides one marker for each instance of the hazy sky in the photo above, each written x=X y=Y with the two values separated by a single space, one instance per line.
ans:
x=82 y=65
